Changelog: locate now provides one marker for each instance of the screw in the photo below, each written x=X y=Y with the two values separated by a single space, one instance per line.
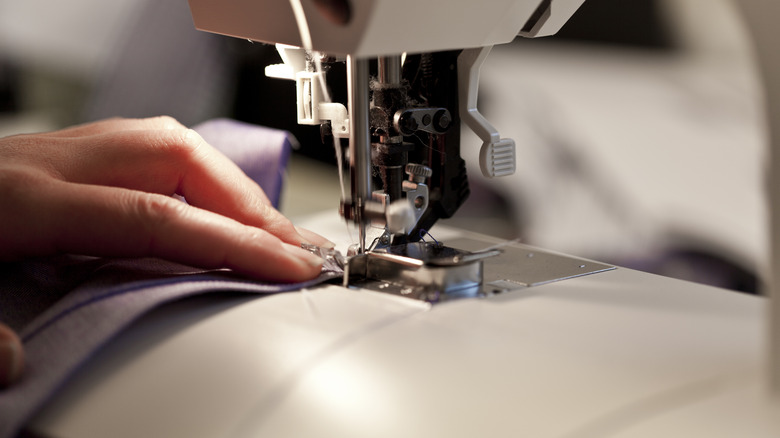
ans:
x=410 y=123
x=417 y=172
x=443 y=120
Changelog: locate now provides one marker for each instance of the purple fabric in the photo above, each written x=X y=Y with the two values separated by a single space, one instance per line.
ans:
x=118 y=292
x=66 y=307
x=27 y=288
x=262 y=153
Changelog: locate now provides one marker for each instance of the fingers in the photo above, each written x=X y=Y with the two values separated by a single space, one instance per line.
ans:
x=115 y=125
x=108 y=221
x=167 y=162
x=315 y=238
x=104 y=189
x=11 y=356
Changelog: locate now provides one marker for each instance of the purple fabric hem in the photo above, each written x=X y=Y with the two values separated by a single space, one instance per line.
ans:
x=66 y=338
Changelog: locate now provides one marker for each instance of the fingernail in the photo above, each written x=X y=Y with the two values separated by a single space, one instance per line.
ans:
x=302 y=254
x=11 y=360
x=315 y=238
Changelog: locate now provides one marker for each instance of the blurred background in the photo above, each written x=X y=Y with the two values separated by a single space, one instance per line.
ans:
x=639 y=126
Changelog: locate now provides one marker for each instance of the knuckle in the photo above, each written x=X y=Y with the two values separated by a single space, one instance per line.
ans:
x=168 y=122
x=183 y=144
x=176 y=146
x=16 y=180
x=158 y=213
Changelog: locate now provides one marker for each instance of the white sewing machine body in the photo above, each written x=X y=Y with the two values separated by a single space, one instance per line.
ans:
x=406 y=119
x=613 y=353
x=376 y=27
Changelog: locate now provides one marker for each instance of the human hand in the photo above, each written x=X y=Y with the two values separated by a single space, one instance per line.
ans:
x=104 y=189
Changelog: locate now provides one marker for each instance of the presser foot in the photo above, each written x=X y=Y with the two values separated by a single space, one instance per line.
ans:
x=425 y=271
x=434 y=273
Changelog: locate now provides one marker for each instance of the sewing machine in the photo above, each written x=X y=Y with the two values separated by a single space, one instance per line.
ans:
x=541 y=344
x=402 y=122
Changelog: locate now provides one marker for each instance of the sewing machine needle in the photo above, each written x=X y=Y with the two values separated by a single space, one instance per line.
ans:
x=359 y=140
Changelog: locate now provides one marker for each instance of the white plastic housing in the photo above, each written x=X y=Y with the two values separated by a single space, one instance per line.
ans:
x=382 y=27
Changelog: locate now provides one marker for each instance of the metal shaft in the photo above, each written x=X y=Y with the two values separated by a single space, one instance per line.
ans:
x=390 y=165
x=359 y=141
x=389 y=69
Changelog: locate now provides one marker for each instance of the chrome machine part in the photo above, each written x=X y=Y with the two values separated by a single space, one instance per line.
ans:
x=389 y=152
x=418 y=173
x=425 y=271
x=432 y=272
x=359 y=143
x=416 y=190
x=389 y=69
x=432 y=120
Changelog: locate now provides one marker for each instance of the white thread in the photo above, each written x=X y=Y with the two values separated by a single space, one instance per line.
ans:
x=305 y=33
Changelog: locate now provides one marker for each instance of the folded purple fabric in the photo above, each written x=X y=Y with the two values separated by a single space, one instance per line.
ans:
x=262 y=153
x=116 y=293
x=66 y=307
x=28 y=288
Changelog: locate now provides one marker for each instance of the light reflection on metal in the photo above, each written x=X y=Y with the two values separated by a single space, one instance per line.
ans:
x=421 y=270
x=432 y=272
x=359 y=141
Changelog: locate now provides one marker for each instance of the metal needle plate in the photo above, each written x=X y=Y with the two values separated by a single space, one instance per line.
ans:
x=522 y=266
x=447 y=276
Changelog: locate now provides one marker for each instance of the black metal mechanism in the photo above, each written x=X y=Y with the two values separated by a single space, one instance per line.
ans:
x=435 y=81
x=389 y=151
x=415 y=129
x=415 y=120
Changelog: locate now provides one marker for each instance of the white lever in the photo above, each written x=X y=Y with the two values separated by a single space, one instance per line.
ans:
x=497 y=155
x=312 y=107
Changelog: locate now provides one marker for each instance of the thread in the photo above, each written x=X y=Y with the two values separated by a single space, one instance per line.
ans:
x=305 y=33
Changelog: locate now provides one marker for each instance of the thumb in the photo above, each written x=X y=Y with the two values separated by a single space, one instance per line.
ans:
x=11 y=356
